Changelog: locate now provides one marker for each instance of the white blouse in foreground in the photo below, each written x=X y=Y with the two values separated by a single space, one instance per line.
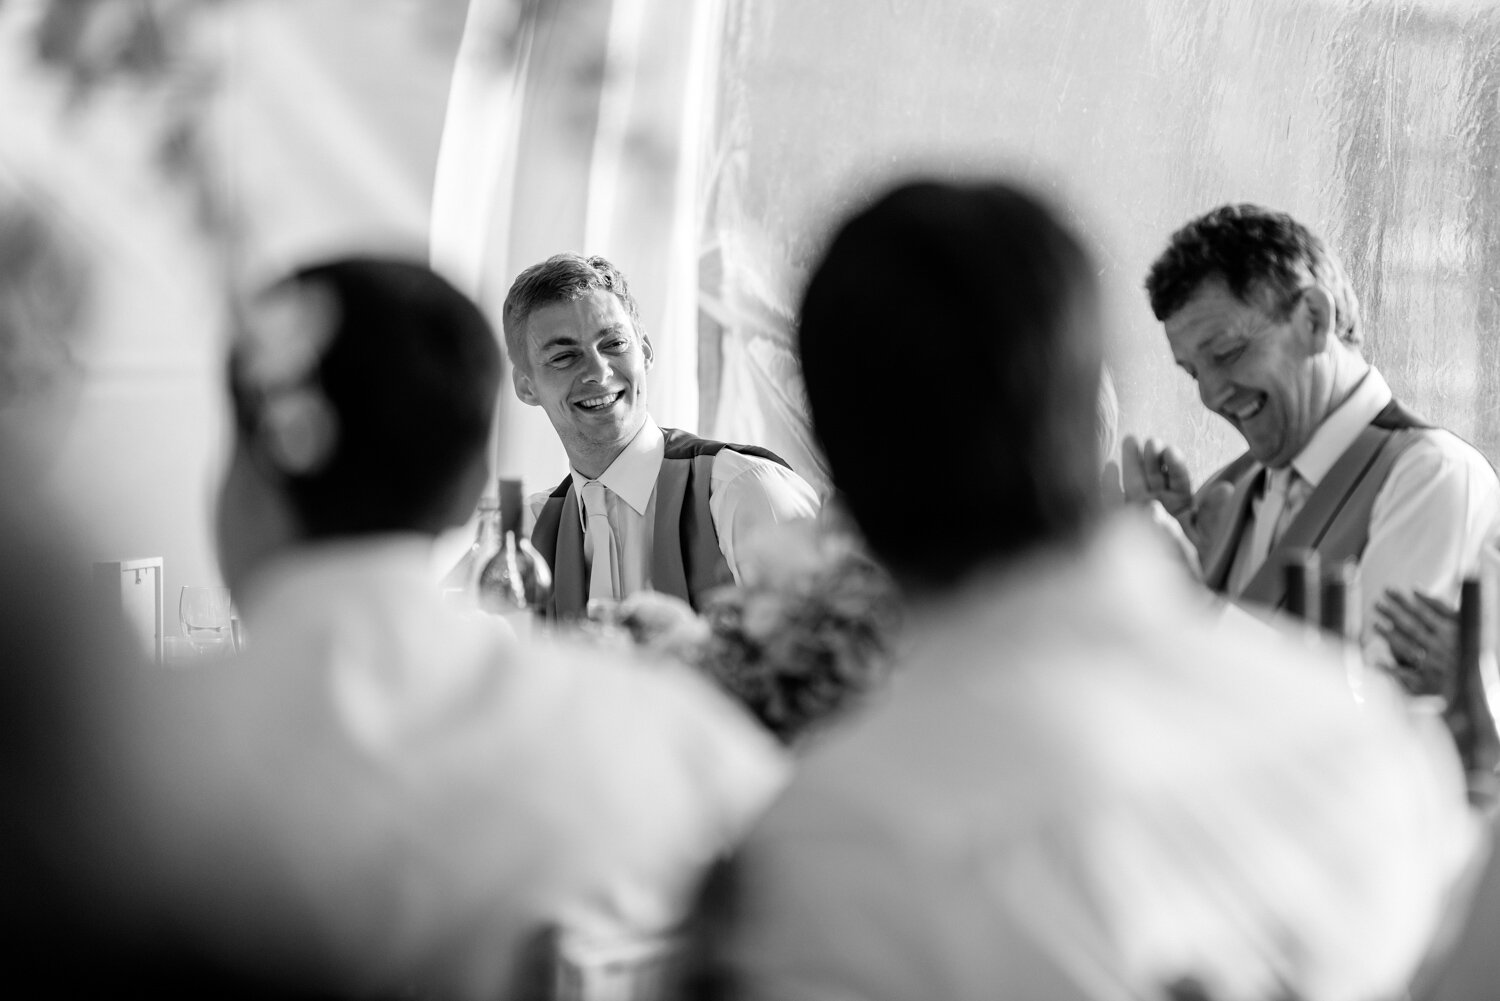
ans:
x=1084 y=785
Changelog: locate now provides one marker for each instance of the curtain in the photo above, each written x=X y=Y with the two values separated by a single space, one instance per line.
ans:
x=580 y=125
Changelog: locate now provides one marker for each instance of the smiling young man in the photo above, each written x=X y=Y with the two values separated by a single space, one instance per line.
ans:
x=1259 y=313
x=644 y=507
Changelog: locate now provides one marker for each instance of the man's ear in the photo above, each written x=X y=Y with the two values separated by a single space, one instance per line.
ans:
x=525 y=389
x=646 y=350
x=1314 y=315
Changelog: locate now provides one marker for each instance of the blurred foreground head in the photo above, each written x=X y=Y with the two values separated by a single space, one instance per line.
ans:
x=950 y=339
x=363 y=393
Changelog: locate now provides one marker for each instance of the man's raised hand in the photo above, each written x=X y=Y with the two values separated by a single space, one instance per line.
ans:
x=1152 y=471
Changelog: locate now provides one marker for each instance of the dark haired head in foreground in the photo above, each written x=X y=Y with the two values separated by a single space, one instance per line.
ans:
x=982 y=284
x=363 y=394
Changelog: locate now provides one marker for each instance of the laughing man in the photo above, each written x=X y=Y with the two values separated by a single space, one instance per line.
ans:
x=1259 y=313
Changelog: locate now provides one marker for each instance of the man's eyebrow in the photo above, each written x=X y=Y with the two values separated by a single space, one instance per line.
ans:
x=569 y=341
x=558 y=340
x=1222 y=340
x=1215 y=341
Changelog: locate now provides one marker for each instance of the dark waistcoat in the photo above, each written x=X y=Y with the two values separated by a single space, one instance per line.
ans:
x=685 y=560
x=1335 y=520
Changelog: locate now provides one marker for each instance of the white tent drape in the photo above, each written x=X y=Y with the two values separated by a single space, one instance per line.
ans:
x=579 y=125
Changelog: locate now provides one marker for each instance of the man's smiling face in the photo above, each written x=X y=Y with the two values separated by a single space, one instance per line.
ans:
x=1260 y=374
x=586 y=368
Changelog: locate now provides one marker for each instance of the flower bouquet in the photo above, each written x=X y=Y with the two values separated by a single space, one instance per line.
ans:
x=808 y=633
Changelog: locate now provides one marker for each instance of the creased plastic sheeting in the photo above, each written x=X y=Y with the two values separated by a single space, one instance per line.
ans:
x=575 y=125
x=1376 y=123
x=745 y=320
x=761 y=374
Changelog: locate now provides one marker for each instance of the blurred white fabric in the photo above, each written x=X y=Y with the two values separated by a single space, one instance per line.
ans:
x=413 y=795
x=1086 y=785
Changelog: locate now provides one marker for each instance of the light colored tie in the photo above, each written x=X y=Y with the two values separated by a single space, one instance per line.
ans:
x=601 y=539
x=1285 y=492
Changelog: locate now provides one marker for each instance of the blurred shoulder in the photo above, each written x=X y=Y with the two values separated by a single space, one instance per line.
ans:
x=611 y=697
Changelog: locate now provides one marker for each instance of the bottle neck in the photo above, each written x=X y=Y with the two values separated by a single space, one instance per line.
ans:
x=511 y=505
x=1471 y=624
x=1300 y=573
x=1338 y=602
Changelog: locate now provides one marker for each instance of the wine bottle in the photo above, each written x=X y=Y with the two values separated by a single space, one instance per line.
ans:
x=1300 y=574
x=1475 y=700
x=461 y=584
x=1338 y=613
x=516 y=583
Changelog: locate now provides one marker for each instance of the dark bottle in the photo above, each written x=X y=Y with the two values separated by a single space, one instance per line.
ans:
x=516 y=583
x=1300 y=573
x=1338 y=614
x=460 y=586
x=1471 y=711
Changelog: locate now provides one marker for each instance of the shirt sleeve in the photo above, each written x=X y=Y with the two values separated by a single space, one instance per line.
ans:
x=1428 y=527
x=749 y=494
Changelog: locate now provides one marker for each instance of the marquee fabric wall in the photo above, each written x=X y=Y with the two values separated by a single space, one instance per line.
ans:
x=579 y=125
x=709 y=145
x=1377 y=122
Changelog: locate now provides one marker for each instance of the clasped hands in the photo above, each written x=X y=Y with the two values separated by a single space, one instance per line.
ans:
x=1422 y=633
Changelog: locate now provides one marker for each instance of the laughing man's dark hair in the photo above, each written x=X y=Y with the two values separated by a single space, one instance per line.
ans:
x=1264 y=257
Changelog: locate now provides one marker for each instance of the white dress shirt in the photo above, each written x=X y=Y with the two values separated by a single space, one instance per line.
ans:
x=412 y=794
x=746 y=494
x=1430 y=520
x=1082 y=784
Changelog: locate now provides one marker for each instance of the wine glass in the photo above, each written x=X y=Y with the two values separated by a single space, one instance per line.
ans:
x=205 y=616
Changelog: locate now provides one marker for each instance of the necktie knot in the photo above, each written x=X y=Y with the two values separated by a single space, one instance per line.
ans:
x=593 y=498
x=1282 y=497
x=1278 y=483
x=1294 y=490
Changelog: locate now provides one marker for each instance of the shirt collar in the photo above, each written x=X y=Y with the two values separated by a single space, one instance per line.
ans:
x=1340 y=428
x=632 y=476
